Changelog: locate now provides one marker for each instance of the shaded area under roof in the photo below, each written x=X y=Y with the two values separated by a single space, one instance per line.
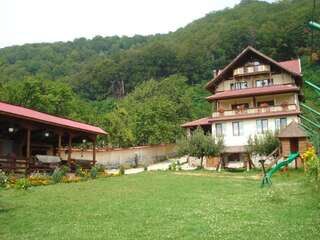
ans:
x=293 y=130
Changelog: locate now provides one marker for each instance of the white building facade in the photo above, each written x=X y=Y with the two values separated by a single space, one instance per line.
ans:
x=250 y=96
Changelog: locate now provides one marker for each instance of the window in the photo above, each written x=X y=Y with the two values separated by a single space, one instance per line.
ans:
x=262 y=125
x=237 y=128
x=238 y=85
x=281 y=123
x=219 y=131
x=264 y=82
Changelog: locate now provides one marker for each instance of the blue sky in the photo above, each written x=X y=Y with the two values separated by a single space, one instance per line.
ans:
x=30 y=21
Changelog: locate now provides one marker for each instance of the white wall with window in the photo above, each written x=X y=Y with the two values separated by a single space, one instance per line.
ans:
x=236 y=133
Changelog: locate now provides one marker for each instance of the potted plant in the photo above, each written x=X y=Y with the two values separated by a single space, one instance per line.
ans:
x=285 y=105
x=221 y=110
x=264 y=105
x=241 y=108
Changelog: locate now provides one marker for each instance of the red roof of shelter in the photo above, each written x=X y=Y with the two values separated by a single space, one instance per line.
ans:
x=198 y=122
x=32 y=115
x=275 y=89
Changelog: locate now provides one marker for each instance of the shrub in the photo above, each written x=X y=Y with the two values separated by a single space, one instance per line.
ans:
x=74 y=179
x=37 y=179
x=57 y=175
x=81 y=172
x=145 y=168
x=65 y=169
x=173 y=166
x=3 y=179
x=312 y=162
x=93 y=172
x=23 y=183
x=121 y=170
x=101 y=168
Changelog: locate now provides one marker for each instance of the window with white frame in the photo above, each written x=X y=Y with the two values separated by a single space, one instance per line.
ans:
x=262 y=125
x=238 y=85
x=264 y=82
x=219 y=130
x=281 y=123
x=237 y=128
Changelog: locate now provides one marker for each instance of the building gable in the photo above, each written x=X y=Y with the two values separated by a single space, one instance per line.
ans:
x=253 y=58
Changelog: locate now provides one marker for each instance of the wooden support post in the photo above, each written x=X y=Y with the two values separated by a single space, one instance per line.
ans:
x=254 y=102
x=59 y=144
x=28 y=150
x=94 y=150
x=70 y=148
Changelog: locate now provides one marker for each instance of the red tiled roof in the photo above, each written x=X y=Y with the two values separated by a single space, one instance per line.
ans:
x=292 y=65
x=253 y=116
x=198 y=122
x=32 y=115
x=275 y=89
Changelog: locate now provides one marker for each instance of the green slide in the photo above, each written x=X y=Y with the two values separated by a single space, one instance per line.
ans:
x=267 y=178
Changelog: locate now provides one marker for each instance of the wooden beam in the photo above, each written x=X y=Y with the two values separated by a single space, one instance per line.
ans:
x=28 y=149
x=94 y=150
x=70 y=148
x=59 y=144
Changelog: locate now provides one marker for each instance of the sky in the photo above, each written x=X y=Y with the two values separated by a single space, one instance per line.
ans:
x=33 y=21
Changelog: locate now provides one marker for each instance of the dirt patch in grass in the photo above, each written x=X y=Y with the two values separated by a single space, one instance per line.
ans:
x=218 y=175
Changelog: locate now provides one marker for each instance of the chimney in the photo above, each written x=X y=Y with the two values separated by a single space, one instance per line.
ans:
x=214 y=73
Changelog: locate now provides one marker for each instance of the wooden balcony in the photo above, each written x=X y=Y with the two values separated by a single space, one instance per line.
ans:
x=251 y=70
x=256 y=112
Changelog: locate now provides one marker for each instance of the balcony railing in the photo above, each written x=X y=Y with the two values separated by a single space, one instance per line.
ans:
x=257 y=110
x=251 y=70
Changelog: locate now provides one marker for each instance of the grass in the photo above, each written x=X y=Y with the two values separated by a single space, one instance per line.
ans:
x=164 y=205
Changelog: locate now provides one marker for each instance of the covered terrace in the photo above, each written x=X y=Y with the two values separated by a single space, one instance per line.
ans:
x=26 y=133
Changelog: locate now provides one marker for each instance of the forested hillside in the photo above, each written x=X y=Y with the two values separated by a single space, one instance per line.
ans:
x=107 y=80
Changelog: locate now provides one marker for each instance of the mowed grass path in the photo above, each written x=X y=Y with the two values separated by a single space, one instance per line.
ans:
x=163 y=205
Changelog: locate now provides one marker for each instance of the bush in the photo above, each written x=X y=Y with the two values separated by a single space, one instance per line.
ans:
x=3 y=179
x=23 y=183
x=65 y=169
x=38 y=179
x=57 y=175
x=121 y=170
x=312 y=162
x=173 y=166
x=93 y=172
x=101 y=168
x=81 y=172
x=74 y=179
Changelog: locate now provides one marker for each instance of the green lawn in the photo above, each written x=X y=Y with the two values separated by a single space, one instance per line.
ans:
x=164 y=205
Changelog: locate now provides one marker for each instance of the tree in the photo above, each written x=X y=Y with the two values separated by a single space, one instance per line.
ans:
x=200 y=145
x=264 y=144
